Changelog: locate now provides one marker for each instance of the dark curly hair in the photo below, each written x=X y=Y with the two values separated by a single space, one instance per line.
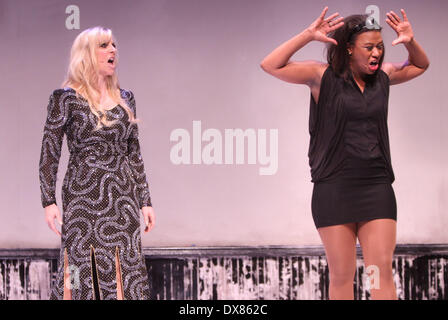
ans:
x=337 y=55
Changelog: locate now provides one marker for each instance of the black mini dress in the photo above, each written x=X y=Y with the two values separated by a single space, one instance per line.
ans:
x=349 y=151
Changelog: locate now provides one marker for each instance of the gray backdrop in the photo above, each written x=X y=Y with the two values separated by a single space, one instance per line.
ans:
x=198 y=60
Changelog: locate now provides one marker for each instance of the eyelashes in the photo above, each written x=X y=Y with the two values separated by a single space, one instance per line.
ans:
x=371 y=48
x=379 y=47
x=104 y=45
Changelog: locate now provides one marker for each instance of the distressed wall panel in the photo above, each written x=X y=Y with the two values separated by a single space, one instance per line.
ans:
x=420 y=272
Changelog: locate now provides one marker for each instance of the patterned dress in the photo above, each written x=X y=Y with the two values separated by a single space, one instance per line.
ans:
x=103 y=190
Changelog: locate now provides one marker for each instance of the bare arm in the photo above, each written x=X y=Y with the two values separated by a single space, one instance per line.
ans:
x=417 y=62
x=277 y=63
x=309 y=72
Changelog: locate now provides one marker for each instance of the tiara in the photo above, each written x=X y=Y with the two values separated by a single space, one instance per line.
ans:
x=369 y=24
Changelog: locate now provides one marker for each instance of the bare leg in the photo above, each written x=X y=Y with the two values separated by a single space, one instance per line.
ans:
x=120 y=294
x=377 y=238
x=67 y=282
x=340 y=248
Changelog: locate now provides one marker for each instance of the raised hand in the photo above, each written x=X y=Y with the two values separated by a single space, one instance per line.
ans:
x=402 y=28
x=321 y=27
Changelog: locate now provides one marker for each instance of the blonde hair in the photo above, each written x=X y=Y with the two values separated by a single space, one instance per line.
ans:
x=82 y=75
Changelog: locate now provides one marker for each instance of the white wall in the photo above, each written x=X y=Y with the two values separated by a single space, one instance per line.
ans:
x=199 y=60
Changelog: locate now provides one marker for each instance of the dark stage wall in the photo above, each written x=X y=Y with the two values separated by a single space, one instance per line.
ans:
x=262 y=273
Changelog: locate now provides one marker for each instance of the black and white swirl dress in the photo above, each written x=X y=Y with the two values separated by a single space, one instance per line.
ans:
x=103 y=190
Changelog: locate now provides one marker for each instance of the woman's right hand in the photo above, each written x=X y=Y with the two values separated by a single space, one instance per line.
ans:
x=321 y=27
x=52 y=213
x=309 y=72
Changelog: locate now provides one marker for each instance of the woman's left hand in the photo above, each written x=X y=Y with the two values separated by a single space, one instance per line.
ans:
x=149 y=217
x=402 y=28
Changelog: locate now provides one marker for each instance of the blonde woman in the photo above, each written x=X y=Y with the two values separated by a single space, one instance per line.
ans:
x=105 y=185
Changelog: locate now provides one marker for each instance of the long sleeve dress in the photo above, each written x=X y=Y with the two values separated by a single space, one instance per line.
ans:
x=103 y=190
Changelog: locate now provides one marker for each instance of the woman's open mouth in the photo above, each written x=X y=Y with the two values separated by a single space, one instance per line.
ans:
x=373 y=65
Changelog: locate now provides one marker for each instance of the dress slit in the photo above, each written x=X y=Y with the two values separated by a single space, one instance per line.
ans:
x=67 y=286
x=118 y=271
x=96 y=290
